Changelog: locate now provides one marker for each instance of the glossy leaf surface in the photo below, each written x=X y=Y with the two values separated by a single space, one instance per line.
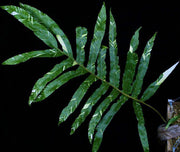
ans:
x=33 y=54
x=48 y=77
x=81 y=39
x=88 y=106
x=76 y=99
x=152 y=88
x=30 y=22
x=51 y=25
x=96 y=69
x=131 y=62
x=94 y=98
x=58 y=82
x=99 y=112
x=99 y=32
x=142 y=69
x=113 y=50
x=127 y=79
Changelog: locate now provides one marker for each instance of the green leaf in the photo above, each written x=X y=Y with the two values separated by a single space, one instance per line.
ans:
x=101 y=127
x=114 y=77
x=134 y=41
x=101 y=72
x=131 y=63
x=99 y=112
x=76 y=99
x=101 y=64
x=33 y=54
x=45 y=28
x=127 y=80
x=142 y=69
x=58 y=82
x=143 y=66
x=172 y=120
x=141 y=126
x=99 y=32
x=81 y=38
x=51 y=25
x=114 y=59
x=30 y=22
x=88 y=106
x=52 y=74
x=153 y=87
x=97 y=39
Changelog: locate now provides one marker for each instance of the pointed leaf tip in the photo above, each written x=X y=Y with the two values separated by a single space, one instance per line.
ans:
x=2 y=7
x=21 y=4
x=139 y=28
x=134 y=41
x=167 y=73
x=104 y=4
x=153 y=87
x=59 y=123
x=72 y=131
x=4 y=63
x=29 y=104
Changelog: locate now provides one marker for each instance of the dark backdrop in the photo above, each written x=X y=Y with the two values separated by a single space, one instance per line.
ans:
x=35 y=128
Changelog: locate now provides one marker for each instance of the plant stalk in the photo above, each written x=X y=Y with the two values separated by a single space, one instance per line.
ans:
x=117 y=89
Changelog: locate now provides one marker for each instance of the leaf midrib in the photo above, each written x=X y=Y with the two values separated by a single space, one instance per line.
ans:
x=99 y=78
x=108 y=83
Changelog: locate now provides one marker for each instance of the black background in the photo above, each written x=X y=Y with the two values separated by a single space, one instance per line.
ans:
x=35 y=128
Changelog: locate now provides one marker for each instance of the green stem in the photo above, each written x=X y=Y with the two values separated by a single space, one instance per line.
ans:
x=117 y=89
x=155 y=110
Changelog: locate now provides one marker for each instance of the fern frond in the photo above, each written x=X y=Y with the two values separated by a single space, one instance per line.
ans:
x=33 y=54
x=95 y=46
x=137 y=85
x=152 y=88
x=76 y=99
x=114 y=75
x=51 y=26
x=101 y=64
x=94 y=98
x=48 y=77
x=58 y=82
x=143 y=66
x=88 y=107
x=81 y=39
x=126 y=85
x=114 y=78
x=99 y=113
x=50 y=33
x=30 y=22
x=94 y=51
x=131 y=62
